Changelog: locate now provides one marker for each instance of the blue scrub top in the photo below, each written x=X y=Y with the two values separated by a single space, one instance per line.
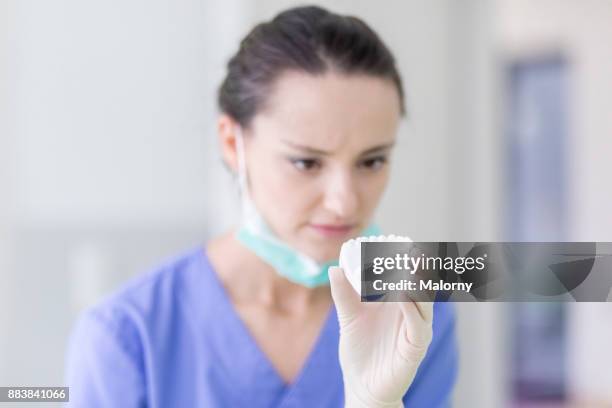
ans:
x=172 y=338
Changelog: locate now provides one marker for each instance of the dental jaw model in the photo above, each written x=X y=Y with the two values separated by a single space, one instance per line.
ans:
x=350 y=256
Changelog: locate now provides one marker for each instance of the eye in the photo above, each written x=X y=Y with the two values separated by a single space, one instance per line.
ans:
x=305 y=164
x=374 y=163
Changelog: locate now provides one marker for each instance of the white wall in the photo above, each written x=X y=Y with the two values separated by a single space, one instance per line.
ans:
x=115 y=106
x=7 y=71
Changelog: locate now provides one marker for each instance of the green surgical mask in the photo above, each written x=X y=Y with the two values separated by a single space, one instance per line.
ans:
x=255 y=234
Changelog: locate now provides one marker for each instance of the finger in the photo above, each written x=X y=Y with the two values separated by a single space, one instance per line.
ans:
x=423 y=302
x=425 y=310
x=418 y=331
x=347 y=301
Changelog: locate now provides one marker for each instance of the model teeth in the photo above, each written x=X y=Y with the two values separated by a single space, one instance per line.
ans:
x=350 y=256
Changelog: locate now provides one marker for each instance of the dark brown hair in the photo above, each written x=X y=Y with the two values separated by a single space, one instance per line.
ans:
x=309 y=39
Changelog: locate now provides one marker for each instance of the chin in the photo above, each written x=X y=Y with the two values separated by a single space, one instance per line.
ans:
x=320 y=248
x=328 y=253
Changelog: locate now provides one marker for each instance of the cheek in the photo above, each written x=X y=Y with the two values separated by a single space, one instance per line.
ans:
x=294 y=197
x=373 y=187
x=282 y=197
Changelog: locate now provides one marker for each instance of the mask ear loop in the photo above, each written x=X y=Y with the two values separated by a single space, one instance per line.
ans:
x=247 y=209
x=241 y=160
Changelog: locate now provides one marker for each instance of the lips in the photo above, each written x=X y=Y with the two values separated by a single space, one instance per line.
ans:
x=333 y=230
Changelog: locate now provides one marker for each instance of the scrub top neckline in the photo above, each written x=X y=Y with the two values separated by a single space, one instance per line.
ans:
x=240 y=326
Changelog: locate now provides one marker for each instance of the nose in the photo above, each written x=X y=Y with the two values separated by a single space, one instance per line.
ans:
x=341 y=198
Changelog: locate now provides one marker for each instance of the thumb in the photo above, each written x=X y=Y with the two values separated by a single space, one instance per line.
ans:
x=346 y=299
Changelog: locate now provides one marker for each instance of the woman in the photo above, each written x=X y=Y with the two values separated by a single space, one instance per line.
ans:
x=309 y=113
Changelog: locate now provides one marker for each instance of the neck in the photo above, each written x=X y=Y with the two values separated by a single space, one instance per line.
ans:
x=252 y=280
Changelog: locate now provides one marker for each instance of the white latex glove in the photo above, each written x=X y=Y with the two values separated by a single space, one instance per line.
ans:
x=381 y=344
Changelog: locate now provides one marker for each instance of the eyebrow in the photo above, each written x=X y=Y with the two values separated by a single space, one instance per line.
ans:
x=313 y=150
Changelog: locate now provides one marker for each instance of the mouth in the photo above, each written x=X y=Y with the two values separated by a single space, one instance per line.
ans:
x=333 y=230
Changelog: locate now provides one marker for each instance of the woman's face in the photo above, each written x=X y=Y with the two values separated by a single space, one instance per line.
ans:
x=317 y=157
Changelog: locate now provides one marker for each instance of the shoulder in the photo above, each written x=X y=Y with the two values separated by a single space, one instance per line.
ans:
x=143 y=305
x=162 y=284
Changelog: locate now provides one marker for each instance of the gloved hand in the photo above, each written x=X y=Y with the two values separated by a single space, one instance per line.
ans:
x=381 y=344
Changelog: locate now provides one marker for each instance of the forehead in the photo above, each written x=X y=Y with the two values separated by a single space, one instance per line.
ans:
x=330 y=111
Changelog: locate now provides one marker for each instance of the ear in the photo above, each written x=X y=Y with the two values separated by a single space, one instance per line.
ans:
x=226 y=129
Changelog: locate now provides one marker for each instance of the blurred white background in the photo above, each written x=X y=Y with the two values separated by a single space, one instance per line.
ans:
x=109 y=161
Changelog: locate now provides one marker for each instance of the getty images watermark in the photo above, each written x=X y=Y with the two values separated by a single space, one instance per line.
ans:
x=486 y=271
